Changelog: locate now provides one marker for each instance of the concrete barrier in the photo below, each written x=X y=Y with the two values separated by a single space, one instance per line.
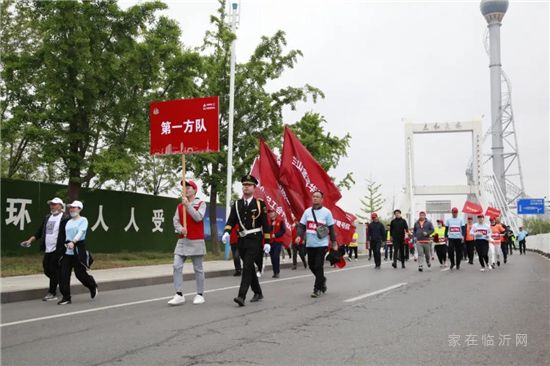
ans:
x=539 y=243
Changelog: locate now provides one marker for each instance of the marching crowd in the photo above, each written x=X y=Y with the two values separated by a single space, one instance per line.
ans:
x=255 y=232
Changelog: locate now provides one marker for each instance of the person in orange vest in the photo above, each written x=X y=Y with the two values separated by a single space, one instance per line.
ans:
x=233 y=240
x=469 y=240
x=495 y=250
x=190 y=243
x=278 y=230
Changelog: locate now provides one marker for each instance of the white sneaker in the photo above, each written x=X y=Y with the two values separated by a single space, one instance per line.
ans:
x=482 y=270
x=177 y=300
x=198 y=300
x=356 y=259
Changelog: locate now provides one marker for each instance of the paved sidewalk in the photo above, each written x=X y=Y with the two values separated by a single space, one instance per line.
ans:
x=21 y=288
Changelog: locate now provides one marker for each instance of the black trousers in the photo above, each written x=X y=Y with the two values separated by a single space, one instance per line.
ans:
x=522 y=245
x=504 y=247
x=441 y=251
x=387 y=248
x=250 y=250
x=316 y=261
x=352 y=250
x=68 y=263
x=236 y=257
x=482 y=248
x=301 y=251
x=51 y=266
x=275 y=254
x=399 y=251
x=470 y=247
x=375 y=245
x=342 y=249
x=455 y=247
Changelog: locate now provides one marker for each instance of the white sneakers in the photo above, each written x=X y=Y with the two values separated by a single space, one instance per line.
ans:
x=180 y=300
x=198 y=300
x=177 y=300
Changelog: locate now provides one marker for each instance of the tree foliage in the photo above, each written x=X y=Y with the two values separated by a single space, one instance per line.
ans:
x=373 y=201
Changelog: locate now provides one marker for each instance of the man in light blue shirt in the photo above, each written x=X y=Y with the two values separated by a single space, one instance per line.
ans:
x=522 y=234
x=317 y=225
x=455 y=232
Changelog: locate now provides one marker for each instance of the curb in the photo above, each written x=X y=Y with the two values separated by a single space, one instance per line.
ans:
x=37 y=293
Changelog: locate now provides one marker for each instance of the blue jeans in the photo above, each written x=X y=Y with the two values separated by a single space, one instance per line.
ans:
x=275 y=254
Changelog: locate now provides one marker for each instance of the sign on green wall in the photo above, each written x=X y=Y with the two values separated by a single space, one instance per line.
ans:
x=118 y=221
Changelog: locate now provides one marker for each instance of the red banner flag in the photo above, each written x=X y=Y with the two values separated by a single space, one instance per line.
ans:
x=343 y=225
x=301 y=175
x=266 y=170
x=472 y=208
x=492 y=212
x=184 y=126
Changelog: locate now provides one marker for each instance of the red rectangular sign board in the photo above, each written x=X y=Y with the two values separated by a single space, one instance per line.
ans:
x=185 y=126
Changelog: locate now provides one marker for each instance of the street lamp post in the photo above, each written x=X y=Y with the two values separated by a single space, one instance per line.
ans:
x=234 y=19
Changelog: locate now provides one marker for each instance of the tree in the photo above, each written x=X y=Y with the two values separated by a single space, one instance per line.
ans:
x=258 y=111
x=326 y=148
x=373 y=200
x=77 y=78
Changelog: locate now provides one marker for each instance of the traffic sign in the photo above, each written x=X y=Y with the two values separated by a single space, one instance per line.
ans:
x=531 y=206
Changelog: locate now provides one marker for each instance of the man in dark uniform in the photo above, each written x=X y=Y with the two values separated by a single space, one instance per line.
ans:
x=251 y=215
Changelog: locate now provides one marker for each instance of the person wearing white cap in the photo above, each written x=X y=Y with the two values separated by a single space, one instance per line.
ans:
x=52 y=242
x=190 y=243
x=75 y=256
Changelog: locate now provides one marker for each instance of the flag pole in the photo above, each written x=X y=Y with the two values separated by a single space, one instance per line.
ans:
x=183 y=188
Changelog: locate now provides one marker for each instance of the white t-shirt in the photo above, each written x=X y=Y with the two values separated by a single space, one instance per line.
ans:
x=52 y=231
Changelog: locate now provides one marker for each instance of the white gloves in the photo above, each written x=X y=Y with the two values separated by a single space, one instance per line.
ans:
x=225 y=238
x=267 y=248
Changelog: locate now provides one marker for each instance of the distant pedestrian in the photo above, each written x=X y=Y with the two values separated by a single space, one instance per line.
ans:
x=422 y=231
x=375 y=236
x=388 y=245
x=353 y=246
x=298 y=246
x=482 y=233
x=233 y=240
x=278 y=230
x=495 y=248
x=469 y=241
x=398 y=231
x=454 y=232
x=440 y=243
x=522 y=236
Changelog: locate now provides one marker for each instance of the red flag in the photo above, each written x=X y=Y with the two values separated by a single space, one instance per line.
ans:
x=343 y=224
x=301 y=175
x=472 y=208
x=492 y=212
x=266 y=170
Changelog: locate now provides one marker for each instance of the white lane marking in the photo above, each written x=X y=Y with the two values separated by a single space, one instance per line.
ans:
x=374 y=293
x=31 y=320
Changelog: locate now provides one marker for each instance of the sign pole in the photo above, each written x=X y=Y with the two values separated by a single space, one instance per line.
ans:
x=183 y=187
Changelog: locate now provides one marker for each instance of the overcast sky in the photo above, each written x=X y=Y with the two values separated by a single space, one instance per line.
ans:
x=383 y=63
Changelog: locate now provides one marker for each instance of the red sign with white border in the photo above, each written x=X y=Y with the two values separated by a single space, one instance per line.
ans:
x=185 y=126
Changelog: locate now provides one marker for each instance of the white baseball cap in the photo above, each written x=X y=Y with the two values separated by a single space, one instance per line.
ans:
x=77 y=204
x=56 y=200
